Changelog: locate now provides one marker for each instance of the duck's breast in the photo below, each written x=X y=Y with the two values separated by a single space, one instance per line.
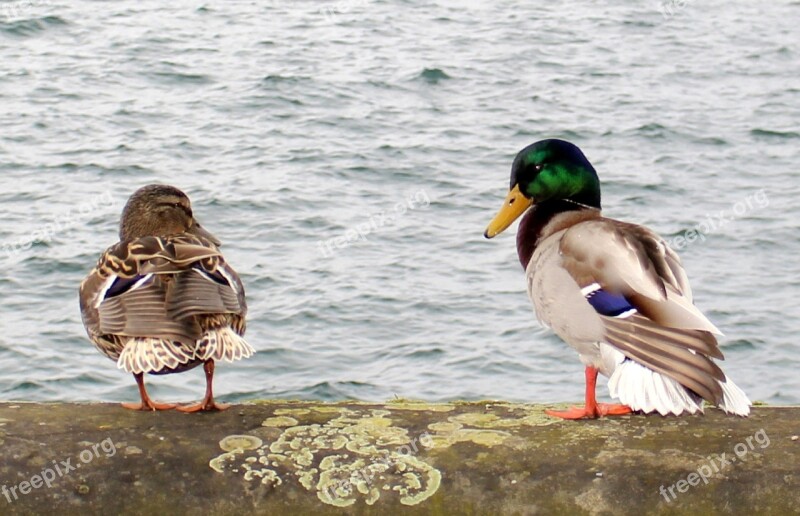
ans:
x=559 y=303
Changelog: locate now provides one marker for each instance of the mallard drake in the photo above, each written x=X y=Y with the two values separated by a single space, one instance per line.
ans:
x=612 y=290
x=163 y=299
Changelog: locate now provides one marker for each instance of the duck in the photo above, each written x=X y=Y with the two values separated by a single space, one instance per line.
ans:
x=163 y=299
x=614 y=291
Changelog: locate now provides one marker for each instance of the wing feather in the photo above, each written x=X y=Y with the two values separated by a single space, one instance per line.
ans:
x=160 y=284
x=143 y=313
x=197 y=292
x=666 y=332
x=633 y=261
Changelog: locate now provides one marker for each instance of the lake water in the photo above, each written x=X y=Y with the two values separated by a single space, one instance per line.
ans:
x=350 y=155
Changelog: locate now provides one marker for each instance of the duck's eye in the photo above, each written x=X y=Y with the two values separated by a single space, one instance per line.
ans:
x=538 y=167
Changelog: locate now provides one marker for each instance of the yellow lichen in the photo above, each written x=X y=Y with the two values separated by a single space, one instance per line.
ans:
x=306 y=478
x=444 y=427
x=373 y=496
x=493 y=421
x=267 y=476
x=440 y=441
x=240 y=442
x=537 y=417
x=218 y=463
x=419 y=405
x=472 y=419
x=451 y=432
x=482 y=437
x=279 y=421
x=331 y=410
x=414 y=481
x=369 y=459
x=291 y=412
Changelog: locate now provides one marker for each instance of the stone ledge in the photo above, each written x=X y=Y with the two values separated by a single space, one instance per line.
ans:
x=280 y=457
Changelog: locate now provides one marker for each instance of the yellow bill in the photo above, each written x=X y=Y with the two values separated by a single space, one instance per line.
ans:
x=514 y=206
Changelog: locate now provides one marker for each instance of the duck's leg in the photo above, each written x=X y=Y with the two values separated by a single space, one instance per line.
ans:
x=592 y=410
x=208 y=402
x=147 y=403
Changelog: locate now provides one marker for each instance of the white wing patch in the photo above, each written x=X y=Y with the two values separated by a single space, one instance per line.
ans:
x=101 y=296
x=233 y=283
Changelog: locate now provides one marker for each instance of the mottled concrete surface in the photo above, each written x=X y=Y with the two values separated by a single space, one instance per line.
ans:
x=399 y=457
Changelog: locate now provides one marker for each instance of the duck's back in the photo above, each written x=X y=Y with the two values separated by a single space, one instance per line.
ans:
x=168 y=292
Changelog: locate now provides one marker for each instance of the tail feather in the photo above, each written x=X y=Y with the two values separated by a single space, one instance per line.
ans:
x=643 y=389
x=151 y=355
x=223 y=344
x=734 y=400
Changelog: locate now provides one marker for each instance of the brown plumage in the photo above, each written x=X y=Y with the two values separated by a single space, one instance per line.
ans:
x=163 y=299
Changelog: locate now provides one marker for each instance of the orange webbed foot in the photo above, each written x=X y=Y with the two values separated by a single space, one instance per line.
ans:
x=602 y=409
x=149 y=405
x=204 y=406
x=613 y=409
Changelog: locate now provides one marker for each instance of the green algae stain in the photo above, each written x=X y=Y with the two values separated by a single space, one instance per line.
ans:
x=356 y=455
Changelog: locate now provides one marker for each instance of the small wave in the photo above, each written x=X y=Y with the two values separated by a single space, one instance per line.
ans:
x=769 y=133
x=329 y=391
x=281 y=79
x=180 y=78
x=433 y=75
x=739 y=344
x=712 y=140
x=425 y=354
x=32 y=26
x=640 y=23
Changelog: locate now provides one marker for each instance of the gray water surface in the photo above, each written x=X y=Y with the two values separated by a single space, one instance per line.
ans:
x=295 y=125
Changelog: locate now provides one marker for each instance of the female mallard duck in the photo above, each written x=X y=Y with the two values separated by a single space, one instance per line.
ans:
x=163 y=299
x=612 y=290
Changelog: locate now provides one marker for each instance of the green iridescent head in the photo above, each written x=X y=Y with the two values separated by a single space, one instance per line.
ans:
x=555 y=169
x=548 y=170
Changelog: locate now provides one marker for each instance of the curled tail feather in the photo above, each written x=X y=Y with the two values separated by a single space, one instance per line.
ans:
x=151 y=355
x=223 y=344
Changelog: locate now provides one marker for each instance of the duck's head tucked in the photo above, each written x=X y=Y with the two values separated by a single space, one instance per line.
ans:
x=159 y=210
x=545 y=172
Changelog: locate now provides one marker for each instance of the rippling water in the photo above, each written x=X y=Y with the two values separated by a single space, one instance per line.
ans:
x=350 y=154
